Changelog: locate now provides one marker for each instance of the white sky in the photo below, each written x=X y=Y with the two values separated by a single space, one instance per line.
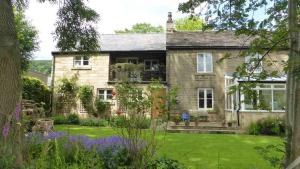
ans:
x=114 y=15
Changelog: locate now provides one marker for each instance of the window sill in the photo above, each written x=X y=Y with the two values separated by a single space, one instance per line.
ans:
x=205 y=74
x=262 y=111
x=82 y=68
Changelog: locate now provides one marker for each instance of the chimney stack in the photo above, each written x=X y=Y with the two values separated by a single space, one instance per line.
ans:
x=170 y=25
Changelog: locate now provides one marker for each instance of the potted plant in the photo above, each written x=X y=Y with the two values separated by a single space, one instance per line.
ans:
x=176 y=118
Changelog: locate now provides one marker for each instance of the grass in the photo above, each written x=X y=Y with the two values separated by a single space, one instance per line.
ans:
x=200 y=151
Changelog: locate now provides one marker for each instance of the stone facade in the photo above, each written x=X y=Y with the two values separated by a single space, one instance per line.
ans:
x=182 y=72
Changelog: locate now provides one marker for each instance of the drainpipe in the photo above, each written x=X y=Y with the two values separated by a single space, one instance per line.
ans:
x=239 y=108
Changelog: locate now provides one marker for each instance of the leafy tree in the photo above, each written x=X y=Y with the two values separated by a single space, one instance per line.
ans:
x=27 y=36
x=142 y=28
x=75 y=22
x=278 y=29
x=42 y=66
x=193 y=23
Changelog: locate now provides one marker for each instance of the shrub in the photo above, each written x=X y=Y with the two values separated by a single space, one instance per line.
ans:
x=94 y=122
x=73 y=119
x=59 y=119
x=165 y=163
x=101 y=107
x=118 y=121
x=37 y=91
x=86 y=97
x=268 y=126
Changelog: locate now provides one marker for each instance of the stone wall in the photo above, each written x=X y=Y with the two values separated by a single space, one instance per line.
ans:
x=182 y=72
x=96 y=74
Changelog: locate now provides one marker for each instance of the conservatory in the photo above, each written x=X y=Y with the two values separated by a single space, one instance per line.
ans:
x=265 y=98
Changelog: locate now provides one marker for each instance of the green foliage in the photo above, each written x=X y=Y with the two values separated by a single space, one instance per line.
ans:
x=57 y=153
x=273 y=154
x=94 y=122
x=59 y=119
x=142 y=28
x=193 y=23
x=37 y=91
x=42 y=66
x=118 y=121
x=268 y=126
x=165 y=163
x=73 y=119
x=86 y=97
x=27 y=36
x=75 y=27
x=102 y=108
x=66 y=92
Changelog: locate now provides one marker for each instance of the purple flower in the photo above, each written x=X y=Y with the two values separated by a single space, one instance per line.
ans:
x=5 y=130
x=18 y=111
x=55 y=135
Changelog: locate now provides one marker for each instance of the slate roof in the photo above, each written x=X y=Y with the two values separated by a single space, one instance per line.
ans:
x=205 y=40
x=133 y=42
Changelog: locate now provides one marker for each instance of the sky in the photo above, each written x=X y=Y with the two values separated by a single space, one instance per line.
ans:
x=114 y=15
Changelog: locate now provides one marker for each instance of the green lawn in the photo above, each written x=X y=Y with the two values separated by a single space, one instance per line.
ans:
x=200 y=151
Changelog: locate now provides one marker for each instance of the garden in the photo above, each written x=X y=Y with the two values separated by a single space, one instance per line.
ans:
x=131 y=138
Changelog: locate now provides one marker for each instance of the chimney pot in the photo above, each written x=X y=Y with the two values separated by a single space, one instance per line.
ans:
x=170 y=25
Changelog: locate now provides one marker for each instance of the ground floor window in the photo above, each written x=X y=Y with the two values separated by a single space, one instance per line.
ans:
x=265 y=97
x=105 y=94
x=205 y=98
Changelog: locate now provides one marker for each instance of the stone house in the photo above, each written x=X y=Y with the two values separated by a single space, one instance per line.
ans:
x=188 y=60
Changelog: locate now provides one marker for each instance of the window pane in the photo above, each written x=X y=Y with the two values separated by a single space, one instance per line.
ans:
x=201 y=94
x=279 y=86
x=155 y=66
x=209 y=103
x=147 y=65
x=201 y=103
x=77 y=63
x=77 y=58
x=200 y=63
x=209 y=63
x=265 y=99
x=279 y=100
x=85 y=58
x=209 y=94
x=250 y=101
x=109 y=94
x=85 y=62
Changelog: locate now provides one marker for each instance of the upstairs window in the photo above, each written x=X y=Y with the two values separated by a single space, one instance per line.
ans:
x=254 y=63
x=105 y=94
x=205 y=99
x=151 y=65
x=204 y=63
x=81 y=61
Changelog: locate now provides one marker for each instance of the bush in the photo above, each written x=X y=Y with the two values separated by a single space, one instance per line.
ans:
x=73 y=119
x=59 y=119
x=101 y=107
x=268 y=126
x=118 y=121
x=165 y=163
x=94 y=122
x=37 y=91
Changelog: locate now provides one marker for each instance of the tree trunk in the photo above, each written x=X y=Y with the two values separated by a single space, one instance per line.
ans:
x=293 y=88
x=10 y=78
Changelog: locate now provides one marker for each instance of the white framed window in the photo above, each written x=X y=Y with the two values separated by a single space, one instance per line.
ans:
x=81 y=61
x=105 y=94
x=204 y=63
x=205 y=99
x=151 y=65
x=254 y=62
x=265 y=97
